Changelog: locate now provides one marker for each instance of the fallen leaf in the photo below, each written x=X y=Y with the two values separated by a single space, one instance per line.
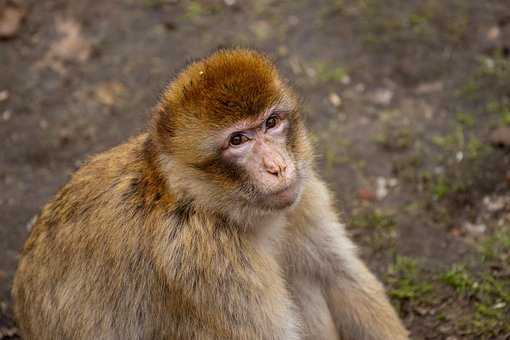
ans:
x=71 y=46
x=109 y=93
x=11 y=17
x=366 y=194
x=500 y=137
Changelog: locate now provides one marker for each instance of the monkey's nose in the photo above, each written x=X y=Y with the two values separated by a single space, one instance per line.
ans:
x=274 y=172
x=274 y=168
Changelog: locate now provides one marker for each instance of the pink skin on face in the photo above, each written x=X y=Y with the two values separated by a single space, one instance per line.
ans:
x=259 y=146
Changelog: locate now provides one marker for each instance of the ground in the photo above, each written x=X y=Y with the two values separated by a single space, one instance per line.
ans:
x=408 y=103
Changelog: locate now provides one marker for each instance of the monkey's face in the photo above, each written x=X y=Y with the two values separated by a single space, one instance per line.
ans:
x=259 y=154
x=234 y=124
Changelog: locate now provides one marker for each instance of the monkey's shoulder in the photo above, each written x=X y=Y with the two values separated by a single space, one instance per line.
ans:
x=110 y=190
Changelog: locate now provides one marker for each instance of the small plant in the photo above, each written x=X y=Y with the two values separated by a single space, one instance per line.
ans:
x=459 y=279
x=405 y=281
x=373 y=219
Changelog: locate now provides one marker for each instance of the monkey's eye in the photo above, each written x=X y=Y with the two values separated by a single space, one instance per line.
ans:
x=238 y=139
x=271 y=122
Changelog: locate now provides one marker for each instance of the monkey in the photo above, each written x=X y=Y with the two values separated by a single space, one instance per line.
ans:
x=212 y=224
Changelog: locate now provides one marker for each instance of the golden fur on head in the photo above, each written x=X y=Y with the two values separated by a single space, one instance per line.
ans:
x=214 y=93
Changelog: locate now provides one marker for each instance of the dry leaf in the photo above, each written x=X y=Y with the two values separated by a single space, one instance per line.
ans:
x=500 y=137
x=109 y=93
x=71 y=46
x=11 y=16
x=427 y=88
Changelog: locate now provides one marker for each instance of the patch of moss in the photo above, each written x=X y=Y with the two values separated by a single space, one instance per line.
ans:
x=489 y=315
x=395 y=138
x=375 y=219
x=501 y=107
x=465 y=119
x=194 y=9
x=375 y=226
x=441 y=188
x=405 y=280
x=327 y=72
x=497 y=246
x=459 y=279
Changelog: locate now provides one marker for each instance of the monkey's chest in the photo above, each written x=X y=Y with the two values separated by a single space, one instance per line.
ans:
x=315 y=317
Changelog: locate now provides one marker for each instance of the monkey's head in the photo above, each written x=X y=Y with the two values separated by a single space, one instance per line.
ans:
x=230 y=126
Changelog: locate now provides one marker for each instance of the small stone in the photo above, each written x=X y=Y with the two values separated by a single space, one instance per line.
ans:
x=427 y=88
x=359 y=88
x=493 y=33
x=445 y=329
x=4 y=95
x=475 y=229
x=459 y=156
x=382 y=96
x=381 y=188
x=494 y=203
x=335 y=99
x=346 y=80
x=43 y=124
x=6 y=115
x=489 y=63
x=392 y=182
x=499 y=305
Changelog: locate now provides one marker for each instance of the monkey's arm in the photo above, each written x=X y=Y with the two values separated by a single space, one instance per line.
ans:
x=359 y=306
x=356 y=300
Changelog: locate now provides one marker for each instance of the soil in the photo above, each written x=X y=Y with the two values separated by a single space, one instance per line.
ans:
x=402 y=98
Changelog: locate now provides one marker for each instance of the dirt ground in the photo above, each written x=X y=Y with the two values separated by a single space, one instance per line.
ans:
x=408 y=102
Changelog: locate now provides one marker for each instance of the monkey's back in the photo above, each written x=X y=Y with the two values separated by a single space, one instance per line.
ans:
x=88 y=256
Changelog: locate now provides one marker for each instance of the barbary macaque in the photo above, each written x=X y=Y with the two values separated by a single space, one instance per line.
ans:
x=211 y=225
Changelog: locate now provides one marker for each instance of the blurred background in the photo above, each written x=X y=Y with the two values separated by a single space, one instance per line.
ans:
x=408 y=102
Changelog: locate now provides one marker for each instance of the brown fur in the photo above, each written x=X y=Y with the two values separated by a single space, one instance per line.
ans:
x=143 y=243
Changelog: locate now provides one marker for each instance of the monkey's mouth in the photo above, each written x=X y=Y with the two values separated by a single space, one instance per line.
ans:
x=278 y=199
x=285 y=191
x=281 y=198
